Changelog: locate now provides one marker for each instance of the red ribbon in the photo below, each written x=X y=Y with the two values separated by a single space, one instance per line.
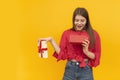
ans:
x=40 y=49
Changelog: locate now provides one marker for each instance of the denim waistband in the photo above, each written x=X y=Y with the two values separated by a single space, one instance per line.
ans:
x=76 y=62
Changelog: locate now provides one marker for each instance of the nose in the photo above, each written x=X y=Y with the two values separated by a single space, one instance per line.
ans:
x=79 y=22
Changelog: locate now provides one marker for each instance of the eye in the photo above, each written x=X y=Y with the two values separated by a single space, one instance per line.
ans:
x=76 y=20
x=82 y=20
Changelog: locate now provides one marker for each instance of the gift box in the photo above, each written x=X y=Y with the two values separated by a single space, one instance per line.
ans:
x=42 y=49
x=77 y=38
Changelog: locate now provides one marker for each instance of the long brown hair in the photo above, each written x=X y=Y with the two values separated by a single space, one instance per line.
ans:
x=83 y=12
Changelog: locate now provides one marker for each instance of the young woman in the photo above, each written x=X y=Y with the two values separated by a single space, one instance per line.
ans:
x=81 y=56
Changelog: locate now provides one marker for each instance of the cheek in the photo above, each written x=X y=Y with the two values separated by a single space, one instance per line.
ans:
x=84 y=23
x=75 y=23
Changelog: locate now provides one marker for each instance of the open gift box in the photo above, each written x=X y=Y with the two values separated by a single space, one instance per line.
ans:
x=77 y=38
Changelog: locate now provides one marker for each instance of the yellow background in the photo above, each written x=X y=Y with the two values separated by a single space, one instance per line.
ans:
x=22 y=22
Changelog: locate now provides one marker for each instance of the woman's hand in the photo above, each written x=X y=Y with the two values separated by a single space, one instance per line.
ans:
x=85 y=45
x=86 y=51
x=52 y=41
x=46 y=39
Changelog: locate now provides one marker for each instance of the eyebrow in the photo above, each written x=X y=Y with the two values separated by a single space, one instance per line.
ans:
x=80 y=19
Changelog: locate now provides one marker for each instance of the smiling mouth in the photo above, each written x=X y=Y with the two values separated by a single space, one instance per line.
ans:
x=79 y=26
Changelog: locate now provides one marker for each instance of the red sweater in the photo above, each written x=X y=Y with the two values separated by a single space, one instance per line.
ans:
x=74 y=51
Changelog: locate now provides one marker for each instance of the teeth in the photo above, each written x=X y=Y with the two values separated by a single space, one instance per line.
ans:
x=79 y=26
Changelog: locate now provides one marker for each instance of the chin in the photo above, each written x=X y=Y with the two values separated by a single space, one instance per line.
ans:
x=79 y=29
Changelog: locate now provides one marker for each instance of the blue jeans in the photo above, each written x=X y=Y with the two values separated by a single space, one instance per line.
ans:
x=74 y=72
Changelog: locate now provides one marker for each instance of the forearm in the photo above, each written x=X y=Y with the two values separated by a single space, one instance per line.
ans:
x=91 y=55
x=55 y=46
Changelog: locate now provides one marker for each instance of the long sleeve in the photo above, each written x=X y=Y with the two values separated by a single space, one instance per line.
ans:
x=96 y=51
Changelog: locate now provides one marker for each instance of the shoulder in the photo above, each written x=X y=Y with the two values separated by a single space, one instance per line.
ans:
x=67 y=31
x=96 y=34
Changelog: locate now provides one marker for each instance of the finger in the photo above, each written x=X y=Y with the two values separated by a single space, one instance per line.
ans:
x=41 y=39
x=86 y=40
x=83 y=45
x=38 y=43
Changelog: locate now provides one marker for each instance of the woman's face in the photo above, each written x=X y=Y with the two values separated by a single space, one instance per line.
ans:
x=79 y=22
